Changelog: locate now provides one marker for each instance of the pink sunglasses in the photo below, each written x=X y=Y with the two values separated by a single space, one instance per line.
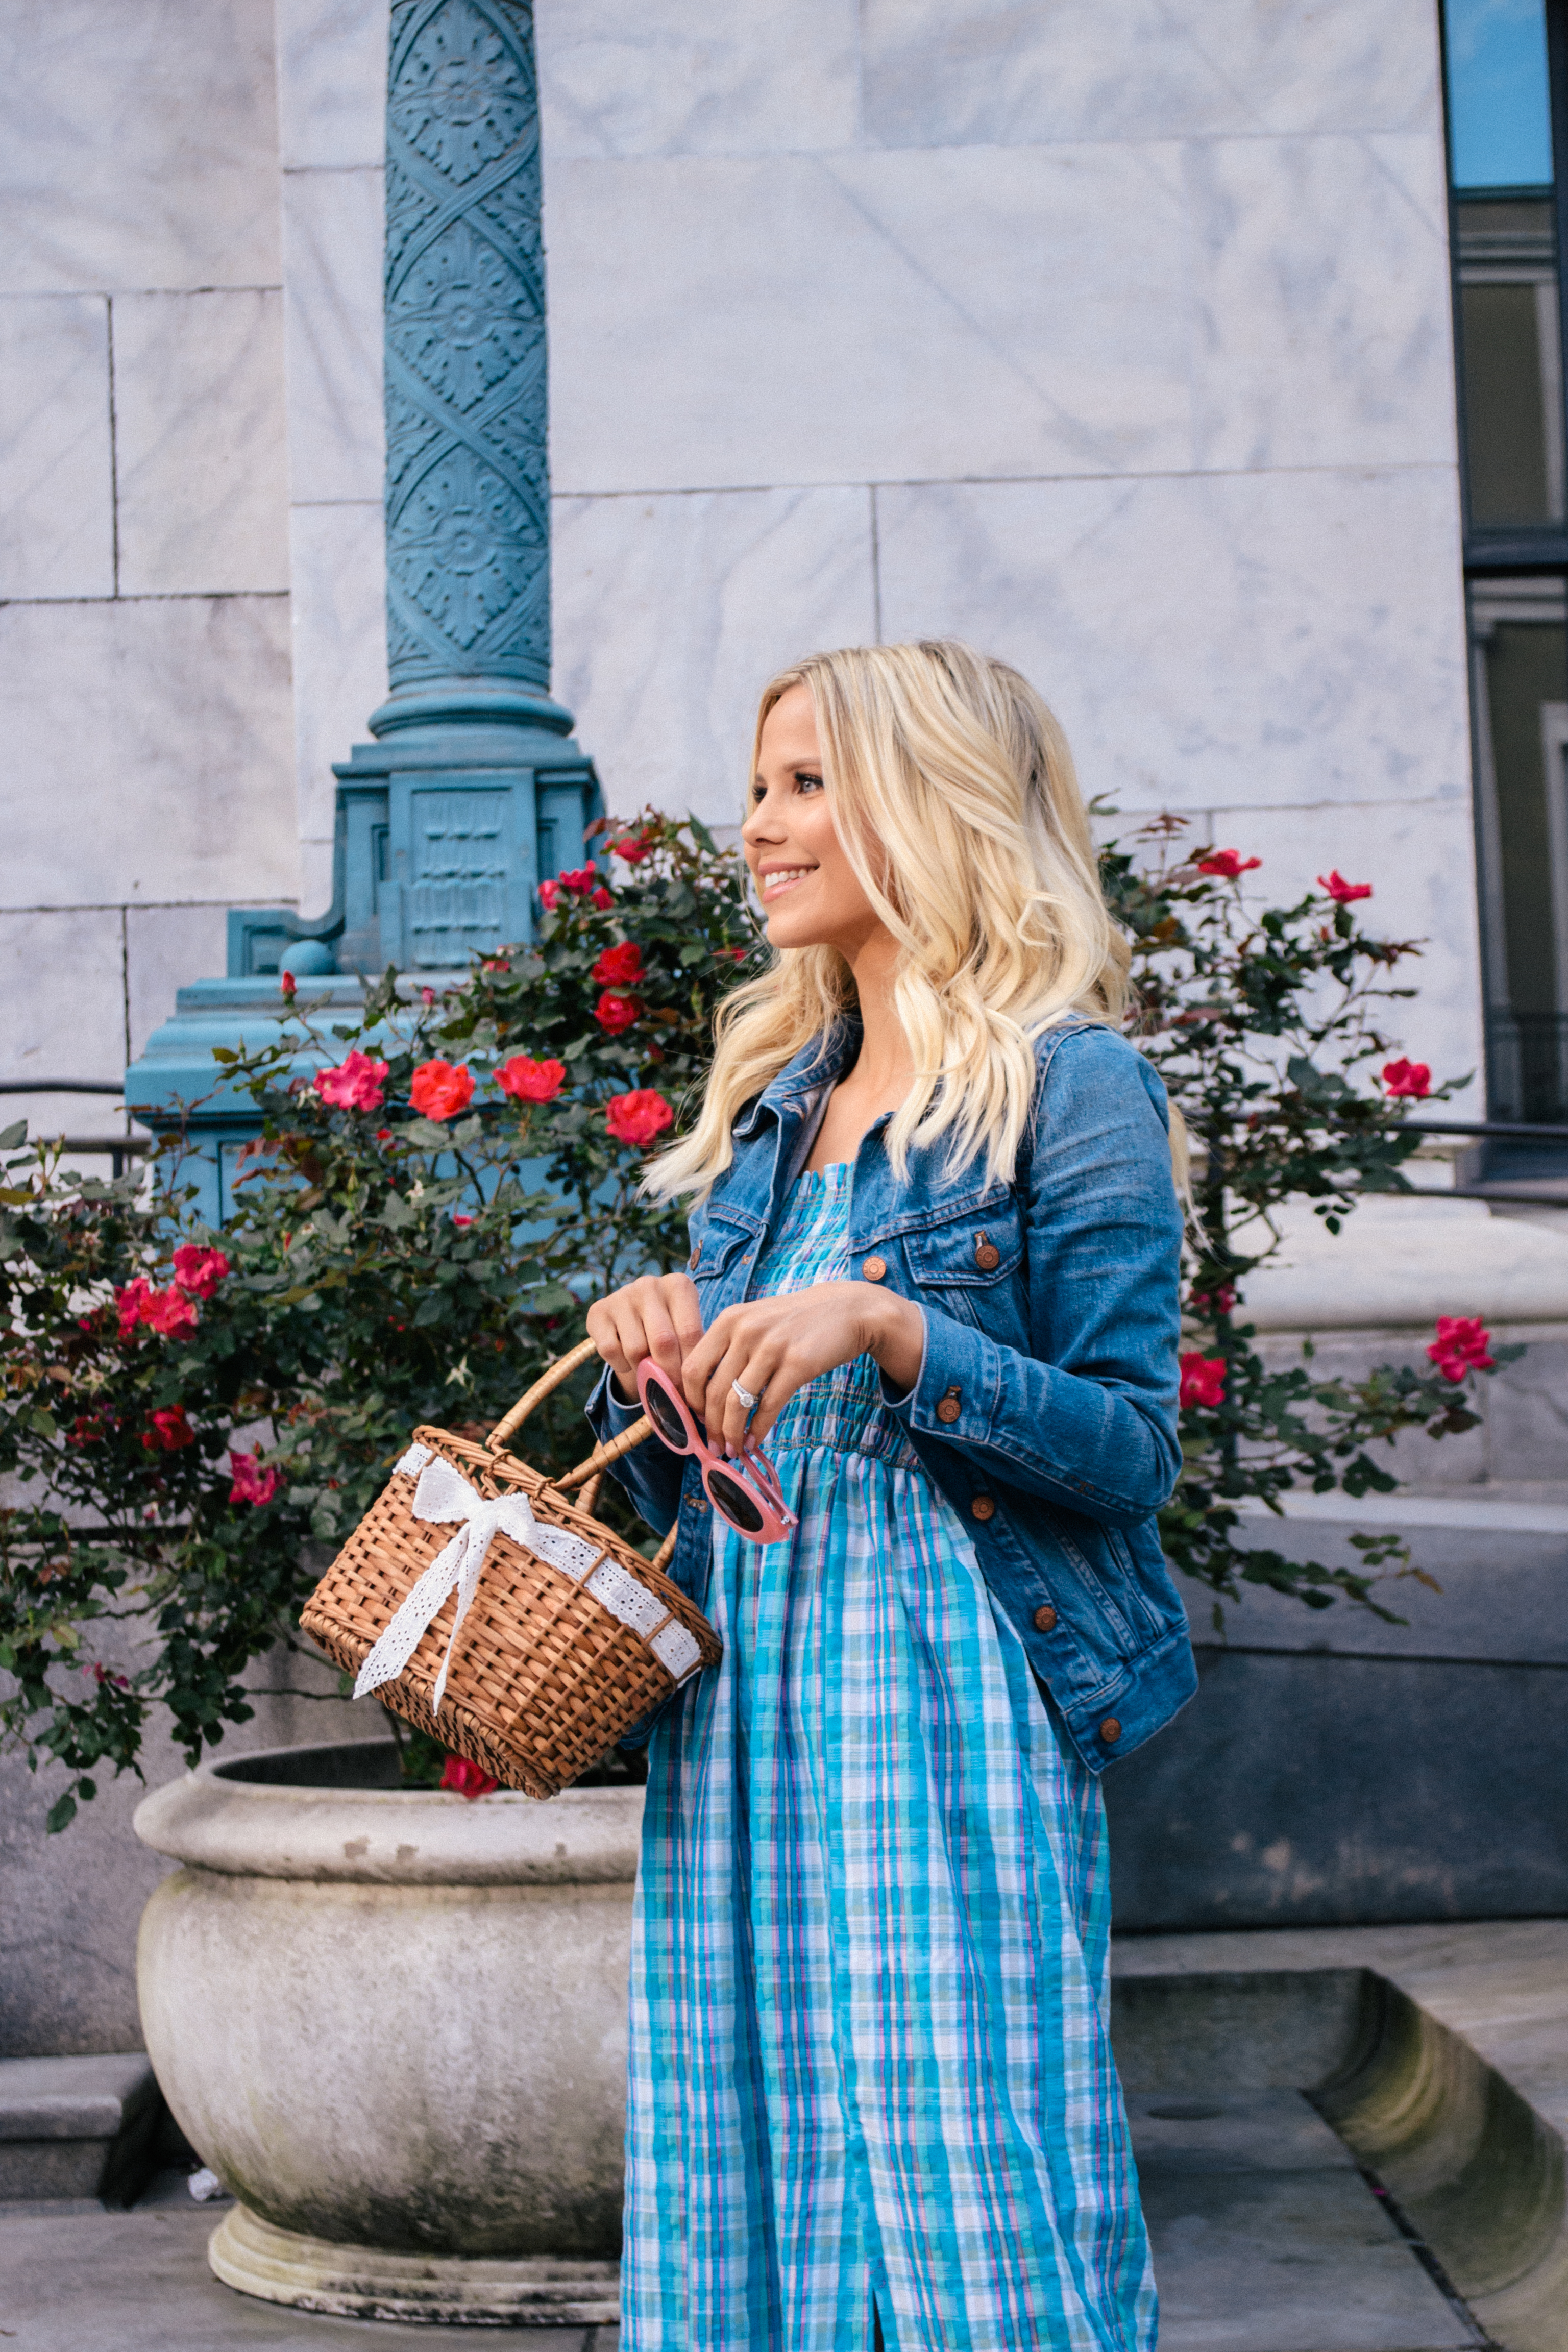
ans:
x=742 y=1488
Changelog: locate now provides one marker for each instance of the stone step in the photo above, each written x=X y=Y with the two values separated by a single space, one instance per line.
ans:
x=78 y=2127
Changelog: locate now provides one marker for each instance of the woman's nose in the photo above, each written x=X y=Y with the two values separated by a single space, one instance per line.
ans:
x=763 y=824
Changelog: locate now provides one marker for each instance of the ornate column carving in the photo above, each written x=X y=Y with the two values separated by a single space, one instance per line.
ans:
x=467 y=484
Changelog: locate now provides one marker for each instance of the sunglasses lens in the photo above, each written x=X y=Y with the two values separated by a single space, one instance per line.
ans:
x=734 y=1502
x=665 y=1415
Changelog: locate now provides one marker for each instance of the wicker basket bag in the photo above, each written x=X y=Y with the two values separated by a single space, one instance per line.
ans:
x=501 y=1619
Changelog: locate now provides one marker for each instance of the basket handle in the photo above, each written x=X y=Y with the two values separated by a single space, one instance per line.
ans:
x=603 y=1455
x=544 y=1386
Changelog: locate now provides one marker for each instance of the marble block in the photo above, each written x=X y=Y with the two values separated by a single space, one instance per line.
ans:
x=697 y=76
x=333 y=333
x=331 y=83
x=62 y=978
x=174 y=777
x=165 y=948
x=1419 y=857
x=1248 y=640
x=141 y=145
x=937 y=72
x=1323 y=303
x=338 y=620
x=198 y=398
x=871 y=317
x=57 y=519
x=671 y=613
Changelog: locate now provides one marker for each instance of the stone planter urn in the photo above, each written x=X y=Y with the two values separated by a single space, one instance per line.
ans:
x=392 y=2022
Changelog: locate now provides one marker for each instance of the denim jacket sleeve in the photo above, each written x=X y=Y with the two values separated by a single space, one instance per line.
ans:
x=1086 y=1417
x=650 y=1473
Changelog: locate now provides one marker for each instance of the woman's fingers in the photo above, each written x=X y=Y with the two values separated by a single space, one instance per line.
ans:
x=658 y=1316
x=757 y=1361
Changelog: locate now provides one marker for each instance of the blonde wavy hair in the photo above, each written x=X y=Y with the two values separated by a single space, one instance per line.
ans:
x=953 y=792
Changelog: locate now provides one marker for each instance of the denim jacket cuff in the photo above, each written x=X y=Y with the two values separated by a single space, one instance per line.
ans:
x=896 y=1400
x=607 y=1416
x=951 y=1397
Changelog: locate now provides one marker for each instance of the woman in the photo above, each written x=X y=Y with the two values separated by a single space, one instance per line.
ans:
x=934 y=1271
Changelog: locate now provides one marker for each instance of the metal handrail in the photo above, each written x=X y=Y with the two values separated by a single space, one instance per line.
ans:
x=62 y=1087
x=1518 y=1127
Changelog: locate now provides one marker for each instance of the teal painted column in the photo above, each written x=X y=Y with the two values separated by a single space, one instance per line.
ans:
x=468 y=476
x=472 y=792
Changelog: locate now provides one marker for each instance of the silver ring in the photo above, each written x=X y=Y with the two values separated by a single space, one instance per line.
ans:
x=747 y=1398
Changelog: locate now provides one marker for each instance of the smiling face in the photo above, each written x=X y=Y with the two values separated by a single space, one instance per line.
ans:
x=810 y=893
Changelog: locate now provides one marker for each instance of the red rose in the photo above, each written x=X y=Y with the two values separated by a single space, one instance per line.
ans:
x=354 y=1085
x=616 y=1012
x=441 y=1089
x=1221 y=1300
x=1340 y=890
x=1203 y=1380
x=548 y=894
x=86 y=1429
x=526 y=1080
x=603 y=898
x=197 y=1271
x=169 y=1312
x=169 y=1431
x=466 y=1779
x=636 y=1117
x=1412 y=1079
x=1227 y=863
x=634 y=849
x=286 y=986
x=130 y=1302
x=252 y=1484
x=1461 y=1345
x=619 y=965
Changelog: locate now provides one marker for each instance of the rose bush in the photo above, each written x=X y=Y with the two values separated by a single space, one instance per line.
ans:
x=192 y=1420
x=1264 y=1023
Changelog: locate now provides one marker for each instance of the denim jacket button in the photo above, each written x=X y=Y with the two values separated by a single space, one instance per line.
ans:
x=694 y=1260
x=1111 y=1731
x=986 y=1254
x=984 y=1506
x=874 y=1268
x=951 y=1406
x=1045 y=1619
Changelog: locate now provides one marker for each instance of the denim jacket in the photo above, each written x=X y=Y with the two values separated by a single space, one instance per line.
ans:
x=1045 y=1408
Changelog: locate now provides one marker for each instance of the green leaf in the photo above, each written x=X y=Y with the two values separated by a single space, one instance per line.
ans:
x=15 y=1134
x=60 y=1813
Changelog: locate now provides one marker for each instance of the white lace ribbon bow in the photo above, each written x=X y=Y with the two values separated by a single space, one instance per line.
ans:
x=443 y=1494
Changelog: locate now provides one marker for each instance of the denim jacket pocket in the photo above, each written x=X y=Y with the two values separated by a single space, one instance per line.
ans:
x=974 y=1250
x=1111 y=1583
x=719 y=1242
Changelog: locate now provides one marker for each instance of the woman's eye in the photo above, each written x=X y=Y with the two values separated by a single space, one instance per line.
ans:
x=807 y=783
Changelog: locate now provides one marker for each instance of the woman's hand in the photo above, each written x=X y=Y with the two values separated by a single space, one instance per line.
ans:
x=658 y=1316
x=774 y=1346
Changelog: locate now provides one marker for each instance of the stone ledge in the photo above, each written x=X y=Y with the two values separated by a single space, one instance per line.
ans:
x=77 y=2126
x=1439 y=2054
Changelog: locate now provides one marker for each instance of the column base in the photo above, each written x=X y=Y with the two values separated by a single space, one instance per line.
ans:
x=442 y=2290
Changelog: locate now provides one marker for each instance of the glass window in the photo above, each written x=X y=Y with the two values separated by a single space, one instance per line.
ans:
x=1499 y=120
x=1508 y=298
x=1511 y=363
x=1520 y=698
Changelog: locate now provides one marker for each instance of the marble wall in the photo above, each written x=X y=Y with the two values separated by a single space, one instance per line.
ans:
x=1112 y=335
x=145 y=689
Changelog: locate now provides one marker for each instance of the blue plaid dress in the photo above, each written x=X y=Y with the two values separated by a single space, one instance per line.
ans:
x=869 y=2055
